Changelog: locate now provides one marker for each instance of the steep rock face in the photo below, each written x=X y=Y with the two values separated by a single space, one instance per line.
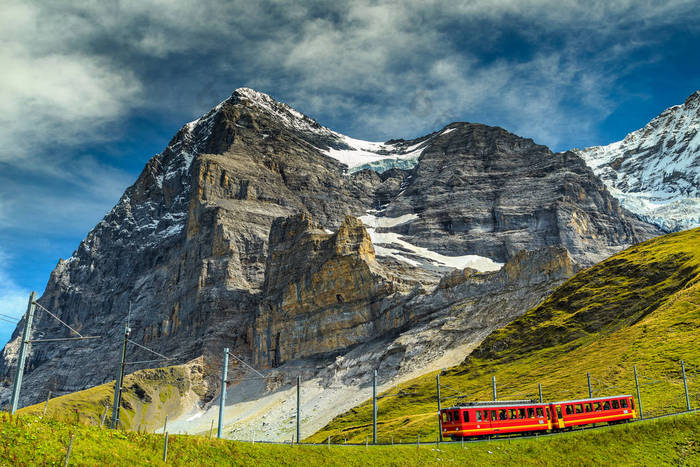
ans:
x=186 y=247
x=323 y=292
x=655 y=171
x=485 y=191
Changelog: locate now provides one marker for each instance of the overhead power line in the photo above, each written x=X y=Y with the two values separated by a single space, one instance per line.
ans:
x=57 y=318
x=244 y=363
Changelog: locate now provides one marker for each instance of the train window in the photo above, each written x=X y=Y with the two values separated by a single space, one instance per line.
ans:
x=569 y=409
x=449 y=416
x=466 y=416
x=522 y=414
x=606 y=405
x=455 y=415
x=632 y=402
x=493 y=415
x=579 y=408
x=444 y=417
x=589 y=407
x=623 y=403
x=539 y=412
x=513 y=414
x=478 y=415
x=486 y=415
x=615 y=404
x=559 y=411
x=598 y=407
x=530 y=412
x=547 y=410
x=502 y=414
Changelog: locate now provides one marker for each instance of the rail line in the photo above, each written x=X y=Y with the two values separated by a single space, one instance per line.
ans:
x=481 y=440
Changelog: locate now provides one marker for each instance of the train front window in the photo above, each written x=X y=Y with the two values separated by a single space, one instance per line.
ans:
x=623 y=403
x=449 y=416
x=615 y=404
x=455 y=416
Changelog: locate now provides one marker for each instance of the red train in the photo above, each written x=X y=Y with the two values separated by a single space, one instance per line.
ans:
x=478 y=419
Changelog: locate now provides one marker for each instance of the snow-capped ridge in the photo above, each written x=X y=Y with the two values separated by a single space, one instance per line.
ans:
x=655 y=171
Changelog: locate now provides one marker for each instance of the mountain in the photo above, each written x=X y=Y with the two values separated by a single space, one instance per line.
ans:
x=252 y=230
x=655 y=171
x=641 y=307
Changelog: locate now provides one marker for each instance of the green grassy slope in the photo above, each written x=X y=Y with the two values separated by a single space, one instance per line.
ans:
x=148 y=397
x=640 y=307
x=28 y=440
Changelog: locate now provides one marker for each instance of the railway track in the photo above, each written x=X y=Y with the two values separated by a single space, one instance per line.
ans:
x=486 y=440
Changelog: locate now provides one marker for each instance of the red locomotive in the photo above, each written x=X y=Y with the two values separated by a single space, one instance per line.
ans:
x=478 y=419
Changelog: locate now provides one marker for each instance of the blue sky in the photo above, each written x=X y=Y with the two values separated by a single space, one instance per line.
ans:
x=90 y=91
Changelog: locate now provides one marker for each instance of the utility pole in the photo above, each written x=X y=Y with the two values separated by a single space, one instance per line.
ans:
x=439 y=407
x=374 y=407
x=539 y=386
x=639 y=396
x=590 y=390
x=28 y=318
x=493 y=382
x=222 y=400
x=298 y=409
x=118 y=383
x=685 y=386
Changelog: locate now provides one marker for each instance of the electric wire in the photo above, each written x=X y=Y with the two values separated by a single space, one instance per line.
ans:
x=152 y=351
x=244 y=363
x=57 y=318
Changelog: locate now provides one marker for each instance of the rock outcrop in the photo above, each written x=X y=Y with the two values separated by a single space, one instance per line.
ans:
x=323 y=292
x=187 y=247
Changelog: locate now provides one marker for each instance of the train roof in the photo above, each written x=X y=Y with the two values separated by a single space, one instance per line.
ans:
x=528 y=403
x=592 y=399
x=522 y=402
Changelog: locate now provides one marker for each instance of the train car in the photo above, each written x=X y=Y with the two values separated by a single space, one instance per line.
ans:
x=611 y=409
x=479 y=419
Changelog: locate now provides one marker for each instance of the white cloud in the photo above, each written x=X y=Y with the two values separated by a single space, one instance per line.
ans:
x=51 y=93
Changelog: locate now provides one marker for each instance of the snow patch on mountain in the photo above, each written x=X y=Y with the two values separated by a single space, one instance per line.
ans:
x=392 y=244
x=358 y=154
x=655 y=171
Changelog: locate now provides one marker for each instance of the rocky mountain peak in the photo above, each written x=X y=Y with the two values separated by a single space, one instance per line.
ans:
x=655 y=171
x=693 y=99
x=279 y=111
